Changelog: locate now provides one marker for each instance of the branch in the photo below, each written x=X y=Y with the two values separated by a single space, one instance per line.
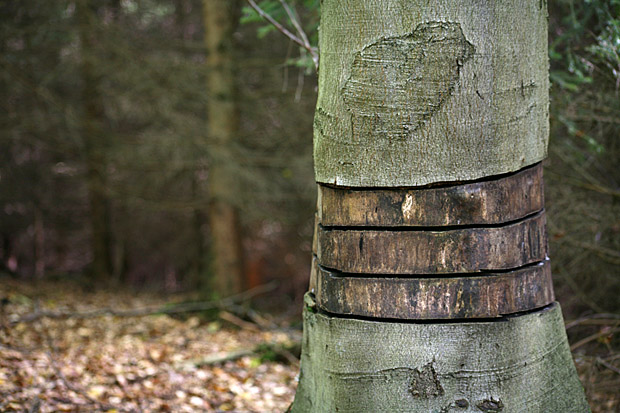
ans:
x=593 y=337
x=216 y=358
x=141 y=312
x=604 y=319
x=608 y=365
x=233 y=319
x=306 y=45
x=302 y=33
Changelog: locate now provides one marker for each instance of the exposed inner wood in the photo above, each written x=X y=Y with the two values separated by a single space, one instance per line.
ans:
x=487 y=202
x=466 y=250
x=462 y=296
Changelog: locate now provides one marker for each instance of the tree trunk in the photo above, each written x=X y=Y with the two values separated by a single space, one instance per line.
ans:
x=94 y=144
x=430 y=289
x=39 y=244
x=221 y=18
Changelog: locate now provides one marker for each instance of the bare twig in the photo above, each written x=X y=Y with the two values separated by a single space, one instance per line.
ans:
x=300 y=84
x=592 y=187
x=306 y=45
x=577 y=290
x=608 y=365
x=593 y=337
x=217 y=358
x=255 y=317
x=233 y=319
x=603 y=317
x=295 y=20
x=141 y=312
x=593 y=183
x=290 y=357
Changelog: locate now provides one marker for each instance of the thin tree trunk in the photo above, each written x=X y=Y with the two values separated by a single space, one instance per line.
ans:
x=39 y=244
x=198 y=268
x=430 y=289
x=94 y=145
x=226 y=250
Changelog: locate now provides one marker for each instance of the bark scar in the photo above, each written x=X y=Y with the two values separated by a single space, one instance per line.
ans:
x=425 y=384
x=397 y=83
x=490 y=405
x=422 y=383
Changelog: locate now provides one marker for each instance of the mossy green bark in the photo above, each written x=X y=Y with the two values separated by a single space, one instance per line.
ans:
x=521 y=364
x=415 y=92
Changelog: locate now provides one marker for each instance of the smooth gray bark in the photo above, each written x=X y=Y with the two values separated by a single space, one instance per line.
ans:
x=520 y=364
x=414 y=92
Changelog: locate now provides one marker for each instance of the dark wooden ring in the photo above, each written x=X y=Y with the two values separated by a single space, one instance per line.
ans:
x=494 y=201
x=463 y=250
x=482 y=296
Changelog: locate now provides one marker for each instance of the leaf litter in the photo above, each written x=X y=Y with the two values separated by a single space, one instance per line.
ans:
x=161 y=363
x=155 y=363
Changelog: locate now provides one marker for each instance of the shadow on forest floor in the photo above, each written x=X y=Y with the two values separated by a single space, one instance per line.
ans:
x=182 y=363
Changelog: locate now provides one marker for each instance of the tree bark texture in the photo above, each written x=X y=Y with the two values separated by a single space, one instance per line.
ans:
x=430 y=289
x=466 y=296
x=415 y=92
x=519 y=364
x=226 y=250
x=467 y=250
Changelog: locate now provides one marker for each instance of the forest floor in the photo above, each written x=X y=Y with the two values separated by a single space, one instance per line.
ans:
x=154 y=363
x=57 y=355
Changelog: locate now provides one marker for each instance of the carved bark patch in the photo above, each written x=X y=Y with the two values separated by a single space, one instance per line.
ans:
x=398 y=83
x=425 y=384
x=490 y=406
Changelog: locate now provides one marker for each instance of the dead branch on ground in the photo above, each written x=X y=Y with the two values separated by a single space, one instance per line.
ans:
x=145 y=311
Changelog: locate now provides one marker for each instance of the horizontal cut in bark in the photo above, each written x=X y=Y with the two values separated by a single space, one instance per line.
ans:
x=487 y=202
x=313 y=274
x=315 y=234
x=519 y=364
x=485 y=296
x=464 y=250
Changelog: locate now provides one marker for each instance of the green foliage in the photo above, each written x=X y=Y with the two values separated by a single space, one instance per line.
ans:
x=585 y=45
x=309 y=11
x=584 y=40
x=607 y=47
x=582 y=175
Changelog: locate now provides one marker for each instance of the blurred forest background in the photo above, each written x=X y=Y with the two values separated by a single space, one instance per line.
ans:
x=106 y=154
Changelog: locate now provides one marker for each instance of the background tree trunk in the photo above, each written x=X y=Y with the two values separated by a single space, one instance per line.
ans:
x=221 y=18
x=438 y=113
x=95 y=144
